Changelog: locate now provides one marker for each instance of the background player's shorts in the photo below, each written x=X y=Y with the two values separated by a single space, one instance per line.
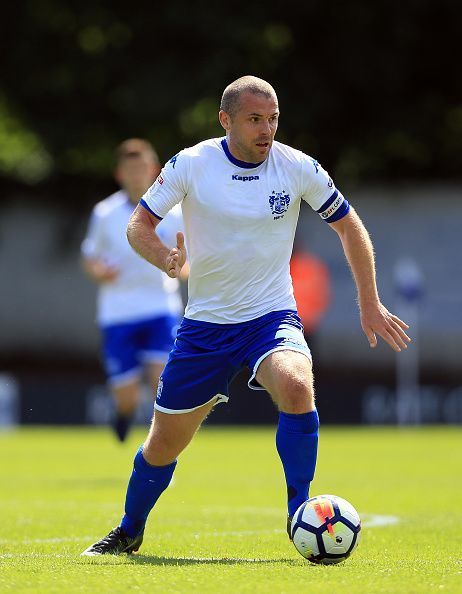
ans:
x=207 y=356
x=127 y=346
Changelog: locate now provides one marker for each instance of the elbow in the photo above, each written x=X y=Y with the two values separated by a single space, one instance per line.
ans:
x=130 y=232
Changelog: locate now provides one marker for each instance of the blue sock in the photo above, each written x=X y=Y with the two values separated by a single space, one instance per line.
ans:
x=297 y=445
x=146 y=485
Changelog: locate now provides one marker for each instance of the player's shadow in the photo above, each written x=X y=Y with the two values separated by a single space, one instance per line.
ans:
x=153 y=560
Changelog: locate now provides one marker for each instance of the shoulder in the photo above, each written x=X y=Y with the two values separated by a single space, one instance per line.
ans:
x=111 y=204
x=201 y=149
x=192 y=156
x=291 y=156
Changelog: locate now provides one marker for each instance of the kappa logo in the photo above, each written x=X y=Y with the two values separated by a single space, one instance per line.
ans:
x=315 y=164
x=173 y=160
x=279 y=203
x=245 y=178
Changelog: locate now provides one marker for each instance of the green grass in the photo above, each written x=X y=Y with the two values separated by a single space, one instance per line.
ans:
x=220 y=527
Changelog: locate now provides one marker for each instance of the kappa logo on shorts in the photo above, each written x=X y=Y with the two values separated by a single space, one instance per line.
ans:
x=159 y=388
x=279 y=203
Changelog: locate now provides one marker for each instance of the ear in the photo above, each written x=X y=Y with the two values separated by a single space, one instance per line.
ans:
x=224 y=119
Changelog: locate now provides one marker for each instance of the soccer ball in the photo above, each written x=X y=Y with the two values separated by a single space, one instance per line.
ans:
x=325 y=529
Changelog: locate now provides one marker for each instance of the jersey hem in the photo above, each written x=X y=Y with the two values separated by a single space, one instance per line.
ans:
x=146 y=206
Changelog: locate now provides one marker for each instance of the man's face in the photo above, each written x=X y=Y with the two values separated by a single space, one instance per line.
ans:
x=136 y=170
x=252 y=129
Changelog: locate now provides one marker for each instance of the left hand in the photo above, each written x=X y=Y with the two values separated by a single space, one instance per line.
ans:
x=376 y=319
x=176 y=258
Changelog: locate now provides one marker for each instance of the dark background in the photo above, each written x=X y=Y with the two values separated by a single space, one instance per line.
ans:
x=372 y=87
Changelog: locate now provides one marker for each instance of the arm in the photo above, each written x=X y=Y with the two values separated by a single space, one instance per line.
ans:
x=143 y=239
x=93 y=250
x=98 y=271
x=375 y=318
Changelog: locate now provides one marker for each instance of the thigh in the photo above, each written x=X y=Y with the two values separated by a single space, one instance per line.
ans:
x=287 y=376
x=278 y=331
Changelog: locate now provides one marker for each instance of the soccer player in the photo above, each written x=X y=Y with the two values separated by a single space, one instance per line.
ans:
x=138 y=305
x=240 y=197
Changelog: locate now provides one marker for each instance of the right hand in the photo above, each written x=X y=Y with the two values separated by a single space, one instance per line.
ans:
x=104 y=273
x=176 y=258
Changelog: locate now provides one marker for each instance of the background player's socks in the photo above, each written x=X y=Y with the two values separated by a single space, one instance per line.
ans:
x=297 y=445
x=122 y=424
x=146 y=485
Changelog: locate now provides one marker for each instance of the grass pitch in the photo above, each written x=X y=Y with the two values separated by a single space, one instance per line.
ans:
x=221 y=526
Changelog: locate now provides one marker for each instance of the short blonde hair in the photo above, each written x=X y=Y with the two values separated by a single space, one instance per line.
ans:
x=250 y=84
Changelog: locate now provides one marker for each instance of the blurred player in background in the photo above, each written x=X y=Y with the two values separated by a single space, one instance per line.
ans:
x=312 y=291
x=138 y=305
x=240 y=197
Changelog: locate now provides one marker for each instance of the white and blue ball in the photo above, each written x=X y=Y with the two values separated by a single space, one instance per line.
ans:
x=326 y=529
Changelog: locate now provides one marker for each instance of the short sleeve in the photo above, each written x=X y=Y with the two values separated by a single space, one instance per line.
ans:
x=170 y=187
x=319 y=191
x=93 y=244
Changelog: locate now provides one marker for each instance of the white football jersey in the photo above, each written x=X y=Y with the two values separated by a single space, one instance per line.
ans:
x=240 y=221
x=141 y=290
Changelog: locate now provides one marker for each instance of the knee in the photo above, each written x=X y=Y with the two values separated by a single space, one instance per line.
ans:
x=160 y=448
x=297 y=396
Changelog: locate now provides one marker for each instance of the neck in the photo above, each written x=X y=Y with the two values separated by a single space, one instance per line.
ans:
x=239 y=154
x=238 y=161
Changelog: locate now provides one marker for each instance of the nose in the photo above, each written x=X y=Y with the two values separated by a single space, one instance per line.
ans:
x=266 y=127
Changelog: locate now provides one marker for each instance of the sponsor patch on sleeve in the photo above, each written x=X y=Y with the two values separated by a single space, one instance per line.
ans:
x=335 y=208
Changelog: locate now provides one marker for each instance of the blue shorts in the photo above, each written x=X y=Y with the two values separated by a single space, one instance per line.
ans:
x=207 y=356
x=126 y=346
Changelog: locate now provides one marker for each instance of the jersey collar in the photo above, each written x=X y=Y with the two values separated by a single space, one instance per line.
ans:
x=235 y=161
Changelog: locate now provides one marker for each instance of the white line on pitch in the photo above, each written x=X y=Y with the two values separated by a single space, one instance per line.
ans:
x=369 y=521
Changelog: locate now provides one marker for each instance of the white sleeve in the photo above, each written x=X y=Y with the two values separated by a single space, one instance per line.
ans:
x=319 y=191
x=93 y=244
x=170 y=187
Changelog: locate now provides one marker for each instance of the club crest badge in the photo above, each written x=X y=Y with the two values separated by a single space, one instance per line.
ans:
x=279 y=203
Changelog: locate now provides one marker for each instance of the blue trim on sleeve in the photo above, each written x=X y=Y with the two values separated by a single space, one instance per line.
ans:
x=340 y=213
x=144 y=203
x=337 y=204
x=235 y=161
x=328 y=202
